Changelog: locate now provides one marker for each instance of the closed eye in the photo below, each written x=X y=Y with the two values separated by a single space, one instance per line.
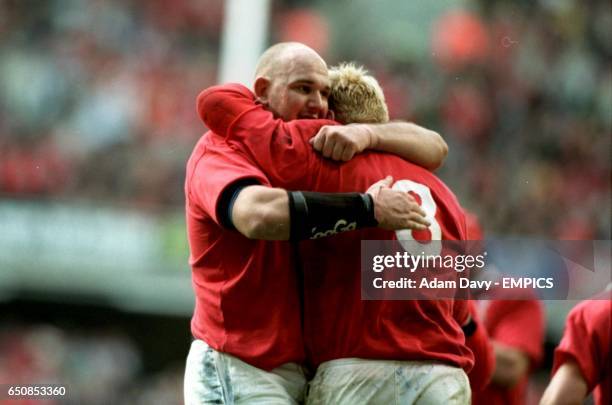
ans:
x=305 y=89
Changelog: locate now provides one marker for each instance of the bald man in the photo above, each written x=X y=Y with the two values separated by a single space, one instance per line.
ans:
x=248 y=345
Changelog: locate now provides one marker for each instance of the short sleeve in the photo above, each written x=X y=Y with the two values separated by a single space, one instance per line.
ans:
x=520 y=325
x=216 y=169
x=586 y=340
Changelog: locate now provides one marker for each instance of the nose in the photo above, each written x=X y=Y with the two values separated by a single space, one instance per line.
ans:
x=317 y=103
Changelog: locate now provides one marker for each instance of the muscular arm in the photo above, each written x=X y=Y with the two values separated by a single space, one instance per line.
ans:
x=220 y=106
x=409 y=141
x=567 y=387
x=416 y=144
x=261 y=212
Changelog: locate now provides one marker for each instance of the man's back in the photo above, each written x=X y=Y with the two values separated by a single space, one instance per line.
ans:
x=338 y=322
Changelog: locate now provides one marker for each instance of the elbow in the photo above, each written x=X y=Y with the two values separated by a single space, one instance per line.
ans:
x=258 y=225
x=441 y=152
x=262 y=213
x=264 y=223
x=443 y=149
x=248 y=227
x=437 y=156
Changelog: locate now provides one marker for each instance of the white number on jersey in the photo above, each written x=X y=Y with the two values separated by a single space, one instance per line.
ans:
x=428 y=205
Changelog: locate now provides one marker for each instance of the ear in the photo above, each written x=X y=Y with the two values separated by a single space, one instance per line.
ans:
x=331 y=115
x=261 y=87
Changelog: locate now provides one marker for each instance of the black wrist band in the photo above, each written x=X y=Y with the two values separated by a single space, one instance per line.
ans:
x=470 y=328
x=369 y=206
x=316 y=215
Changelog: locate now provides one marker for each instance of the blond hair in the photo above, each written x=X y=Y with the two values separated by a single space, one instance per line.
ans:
x=356 y=97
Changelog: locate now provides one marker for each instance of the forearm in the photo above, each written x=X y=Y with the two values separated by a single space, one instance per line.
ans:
x=274 y=214
x=416 y=144
x=266 y=213
x=567 y=387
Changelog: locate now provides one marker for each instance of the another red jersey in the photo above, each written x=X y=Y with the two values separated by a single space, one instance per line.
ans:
x=587 y=341
x=338 y=323
x=246 y=293
x=518 y=324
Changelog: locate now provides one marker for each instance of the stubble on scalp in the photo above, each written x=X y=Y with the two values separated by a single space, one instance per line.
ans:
x=278 y=60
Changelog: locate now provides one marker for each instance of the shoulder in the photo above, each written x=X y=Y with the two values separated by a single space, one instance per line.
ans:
x=235 y=89
x=593 y=312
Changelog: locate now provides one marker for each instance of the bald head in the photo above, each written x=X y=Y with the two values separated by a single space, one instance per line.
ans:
x=276 y=58
x=292 y=81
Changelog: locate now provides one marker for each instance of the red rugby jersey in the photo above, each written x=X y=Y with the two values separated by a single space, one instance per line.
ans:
x=587 y=341
x=338 y=323
x=518 y=324
x=246 y=293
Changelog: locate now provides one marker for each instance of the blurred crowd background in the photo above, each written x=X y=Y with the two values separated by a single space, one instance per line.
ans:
x=97 y=108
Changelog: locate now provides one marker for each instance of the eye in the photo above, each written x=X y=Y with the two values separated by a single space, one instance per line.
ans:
x=304 y=88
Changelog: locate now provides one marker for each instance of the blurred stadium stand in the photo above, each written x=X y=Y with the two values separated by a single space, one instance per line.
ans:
x=97 y=119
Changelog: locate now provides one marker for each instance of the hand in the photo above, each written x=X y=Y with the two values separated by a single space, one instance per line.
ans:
x=511 y=365
x=396 y=209
x=342 y=142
